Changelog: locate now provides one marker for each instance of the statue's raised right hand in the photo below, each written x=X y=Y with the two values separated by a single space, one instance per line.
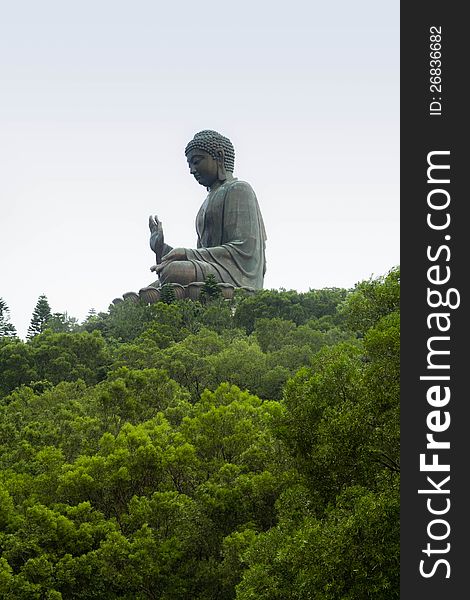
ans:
x=155 y=224
x=156 y=236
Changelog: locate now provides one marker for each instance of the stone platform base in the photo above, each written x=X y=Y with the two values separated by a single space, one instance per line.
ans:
x=151 y=294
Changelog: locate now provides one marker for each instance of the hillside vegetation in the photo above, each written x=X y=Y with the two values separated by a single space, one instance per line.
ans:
x=244 y=449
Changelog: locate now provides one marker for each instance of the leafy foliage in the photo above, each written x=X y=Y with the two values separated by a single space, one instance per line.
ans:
x=62 y=323
x=288 y=305
x=204 y=450
x=372 y=300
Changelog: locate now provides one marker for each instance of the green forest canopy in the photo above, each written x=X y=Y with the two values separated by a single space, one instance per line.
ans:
x=244 y=449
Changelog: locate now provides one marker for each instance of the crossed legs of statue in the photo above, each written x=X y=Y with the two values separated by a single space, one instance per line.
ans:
x=184 y=272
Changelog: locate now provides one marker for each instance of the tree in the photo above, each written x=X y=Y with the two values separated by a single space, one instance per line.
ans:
x=7 y=329
x=62 y=323
x=272 y=333
x=123 y=322
x=337 y=534
x=372 y=300
x=128 y=470
x=69 y=356
x=241 y=363
x=167 y=294
x=210 y=290
x=40 y=318
x=353 y=552
x=16 y=364
x=288 y=305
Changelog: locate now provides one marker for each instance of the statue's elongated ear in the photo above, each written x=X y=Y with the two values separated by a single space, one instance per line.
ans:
x=221 y=172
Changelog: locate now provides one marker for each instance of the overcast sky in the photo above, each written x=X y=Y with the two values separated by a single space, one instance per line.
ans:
x=99 y=99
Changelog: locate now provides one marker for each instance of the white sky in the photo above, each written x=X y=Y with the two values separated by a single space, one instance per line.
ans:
x=99 y=98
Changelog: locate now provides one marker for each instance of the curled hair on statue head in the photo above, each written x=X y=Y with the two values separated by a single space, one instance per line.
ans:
x=211 y=141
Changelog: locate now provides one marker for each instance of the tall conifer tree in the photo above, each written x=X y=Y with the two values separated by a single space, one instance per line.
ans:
x=167 y=294
x=210 y=290
x=7 y=329
x=41 y=315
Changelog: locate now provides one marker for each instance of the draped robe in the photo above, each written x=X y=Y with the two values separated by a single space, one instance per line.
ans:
x=231 y=238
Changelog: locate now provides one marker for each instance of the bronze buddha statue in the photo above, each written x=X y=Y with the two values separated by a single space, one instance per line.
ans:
x=231 y=238
x=230 y=231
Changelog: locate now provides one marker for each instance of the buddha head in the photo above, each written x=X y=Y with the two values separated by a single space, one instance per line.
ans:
x=211 y=157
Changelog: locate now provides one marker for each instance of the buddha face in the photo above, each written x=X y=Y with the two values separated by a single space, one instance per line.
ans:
x=203 y=167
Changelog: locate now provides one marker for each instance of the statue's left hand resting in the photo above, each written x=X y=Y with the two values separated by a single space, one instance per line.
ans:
x=175 y=254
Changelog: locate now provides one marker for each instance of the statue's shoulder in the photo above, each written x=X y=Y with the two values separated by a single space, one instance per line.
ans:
x=240 y=187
